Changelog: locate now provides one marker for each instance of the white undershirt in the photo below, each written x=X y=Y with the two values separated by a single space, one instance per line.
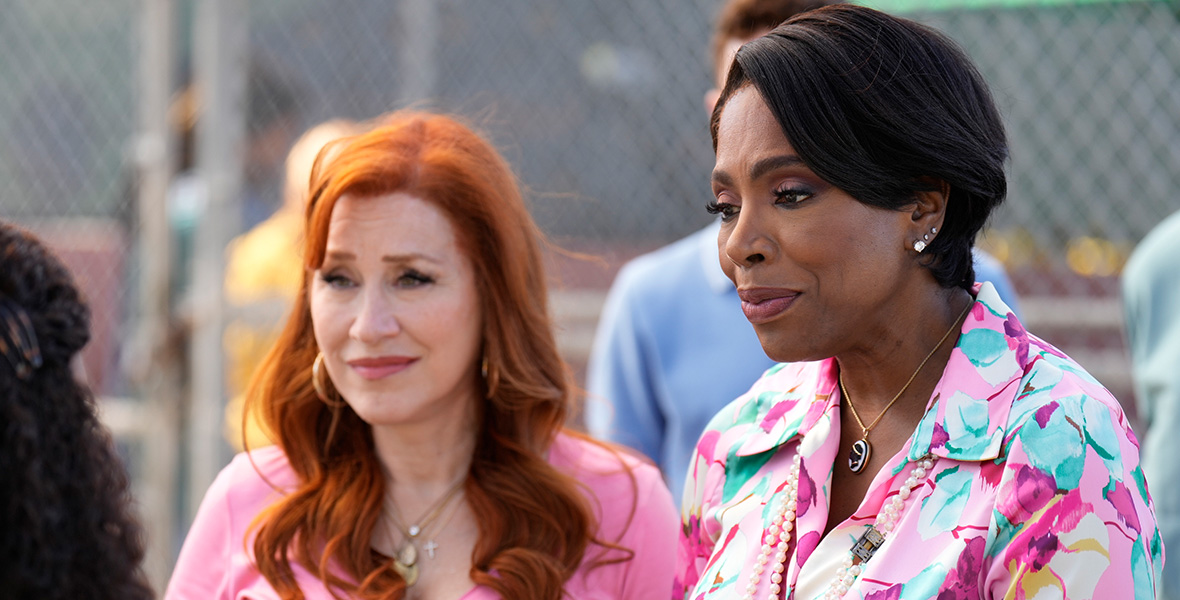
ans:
x=820 y=569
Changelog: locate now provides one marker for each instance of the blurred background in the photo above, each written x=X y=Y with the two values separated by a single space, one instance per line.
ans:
x=139 y=137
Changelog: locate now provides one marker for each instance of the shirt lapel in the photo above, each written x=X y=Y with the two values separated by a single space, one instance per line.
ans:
x=969 y=410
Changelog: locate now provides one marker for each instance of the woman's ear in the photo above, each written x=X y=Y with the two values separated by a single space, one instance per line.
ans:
x=928 y=212
x=711 y=97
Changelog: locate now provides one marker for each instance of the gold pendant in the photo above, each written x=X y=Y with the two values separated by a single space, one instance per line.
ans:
x=406 y=563
x=407 y=572
x=408 y=555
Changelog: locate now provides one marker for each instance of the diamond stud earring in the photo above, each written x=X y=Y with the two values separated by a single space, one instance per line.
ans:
x=919 y=246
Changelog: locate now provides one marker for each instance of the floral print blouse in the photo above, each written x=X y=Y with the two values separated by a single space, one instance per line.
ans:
x=1036 y=490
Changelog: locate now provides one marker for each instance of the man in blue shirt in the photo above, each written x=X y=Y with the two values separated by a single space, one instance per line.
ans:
x=673 y=346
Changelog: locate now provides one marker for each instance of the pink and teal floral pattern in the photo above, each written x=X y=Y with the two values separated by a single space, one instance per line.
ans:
x=1037 y=491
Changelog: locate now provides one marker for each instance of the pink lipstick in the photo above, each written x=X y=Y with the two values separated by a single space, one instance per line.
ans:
x=380 y=366
x=763 y=304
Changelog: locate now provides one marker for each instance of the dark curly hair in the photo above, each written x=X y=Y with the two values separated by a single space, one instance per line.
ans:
x=66 y=525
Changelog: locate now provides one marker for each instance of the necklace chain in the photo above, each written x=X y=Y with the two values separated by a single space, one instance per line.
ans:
x=405 y=559
x=777 y=537
x=861 y=450
x=416 y=529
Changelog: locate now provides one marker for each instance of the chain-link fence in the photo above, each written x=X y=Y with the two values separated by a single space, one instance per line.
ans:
x=599 y=106
x=1089 y=94
x=67 y=111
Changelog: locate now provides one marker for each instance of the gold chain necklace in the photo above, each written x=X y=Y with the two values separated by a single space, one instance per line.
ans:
x=858 y=457
x=405 y=558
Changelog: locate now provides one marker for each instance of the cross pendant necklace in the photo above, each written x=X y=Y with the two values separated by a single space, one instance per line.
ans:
x=405 y=559
x=430 y=546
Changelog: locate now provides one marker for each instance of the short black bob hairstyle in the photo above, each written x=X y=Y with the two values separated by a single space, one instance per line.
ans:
x=883 y=108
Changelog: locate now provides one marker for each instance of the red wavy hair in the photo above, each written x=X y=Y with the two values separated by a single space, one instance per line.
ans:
x=535 y=524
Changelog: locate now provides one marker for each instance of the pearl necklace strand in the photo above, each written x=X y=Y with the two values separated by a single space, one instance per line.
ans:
x=777 y=537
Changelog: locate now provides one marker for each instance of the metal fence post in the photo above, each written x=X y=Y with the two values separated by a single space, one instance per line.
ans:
x=159 y=393
x=220 y=66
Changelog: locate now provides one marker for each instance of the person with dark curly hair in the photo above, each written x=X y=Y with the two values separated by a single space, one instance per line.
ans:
x=66 y=523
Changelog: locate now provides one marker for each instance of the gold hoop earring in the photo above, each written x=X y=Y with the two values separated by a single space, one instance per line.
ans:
x=321 y=390
x=485 y=371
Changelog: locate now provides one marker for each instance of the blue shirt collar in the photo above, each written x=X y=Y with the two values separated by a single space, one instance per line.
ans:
x=710 y=262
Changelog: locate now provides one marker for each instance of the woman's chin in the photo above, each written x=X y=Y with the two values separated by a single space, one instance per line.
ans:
x=782 y=345
x=787 y=353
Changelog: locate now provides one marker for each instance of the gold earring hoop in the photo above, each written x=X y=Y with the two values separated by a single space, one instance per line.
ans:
x=321 y=389
x=486 y=372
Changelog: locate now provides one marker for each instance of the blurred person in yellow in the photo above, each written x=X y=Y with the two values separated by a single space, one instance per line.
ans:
x=262 y=276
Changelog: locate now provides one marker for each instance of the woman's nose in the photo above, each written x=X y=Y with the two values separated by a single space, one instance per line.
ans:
x=377 y=317
x=746 y=243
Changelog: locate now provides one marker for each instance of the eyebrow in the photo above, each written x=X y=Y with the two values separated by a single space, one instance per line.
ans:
x=389 y=258
x=760 y=168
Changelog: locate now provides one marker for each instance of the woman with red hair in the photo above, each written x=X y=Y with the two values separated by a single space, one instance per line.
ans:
x=418 y=402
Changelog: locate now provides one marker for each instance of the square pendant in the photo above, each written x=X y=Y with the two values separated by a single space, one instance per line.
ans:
x=867 y=545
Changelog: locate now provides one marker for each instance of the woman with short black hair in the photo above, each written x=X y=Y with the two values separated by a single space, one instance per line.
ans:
x=921 y=444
